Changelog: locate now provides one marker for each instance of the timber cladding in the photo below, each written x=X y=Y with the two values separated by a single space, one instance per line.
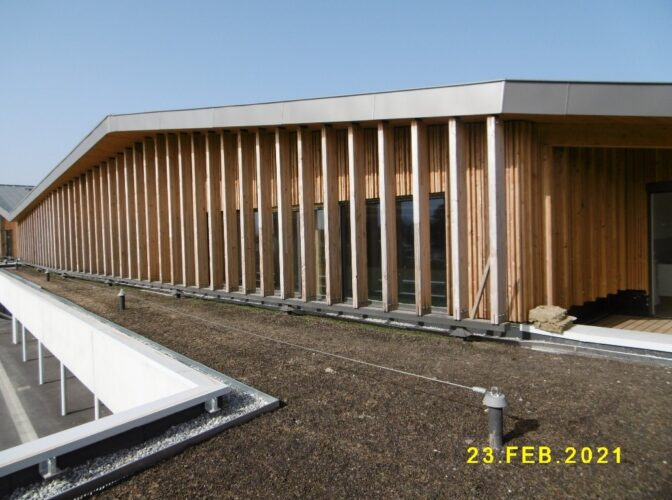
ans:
x=240 y=210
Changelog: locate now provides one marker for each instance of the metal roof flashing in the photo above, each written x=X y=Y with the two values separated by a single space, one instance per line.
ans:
x=474 y=99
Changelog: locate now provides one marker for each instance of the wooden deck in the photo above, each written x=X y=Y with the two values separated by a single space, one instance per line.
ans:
x=657 y=325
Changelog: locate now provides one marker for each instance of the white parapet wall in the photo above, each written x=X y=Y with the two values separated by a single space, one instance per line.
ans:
x=121 y=371
x=137 y=380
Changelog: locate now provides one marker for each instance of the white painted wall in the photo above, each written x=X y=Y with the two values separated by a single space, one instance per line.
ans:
x=122 y=371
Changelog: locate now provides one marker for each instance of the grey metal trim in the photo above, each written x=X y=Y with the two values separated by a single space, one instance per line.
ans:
x=479 y=99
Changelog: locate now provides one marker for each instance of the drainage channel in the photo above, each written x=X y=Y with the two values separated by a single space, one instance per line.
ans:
x=161 y=402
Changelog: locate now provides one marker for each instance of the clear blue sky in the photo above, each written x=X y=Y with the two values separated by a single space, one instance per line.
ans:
x=64 y=65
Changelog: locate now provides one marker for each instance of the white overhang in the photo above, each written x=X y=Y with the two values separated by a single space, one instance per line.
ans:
x=477 y=99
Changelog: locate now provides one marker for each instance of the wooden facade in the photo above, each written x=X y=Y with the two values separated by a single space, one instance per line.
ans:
x=534 y=212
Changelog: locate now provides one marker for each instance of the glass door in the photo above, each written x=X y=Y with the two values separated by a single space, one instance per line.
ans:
x=661 y=253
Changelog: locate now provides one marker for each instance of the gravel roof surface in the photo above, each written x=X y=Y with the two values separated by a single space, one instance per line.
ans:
x=347 y=430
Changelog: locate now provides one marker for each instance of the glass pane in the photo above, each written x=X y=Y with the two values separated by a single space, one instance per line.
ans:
x=346 y=267
x=296 y=238
x=320 y=269
x=437 y=239
x=405 y=257
x=373 y=257
x=661 y=234
x=276 y=253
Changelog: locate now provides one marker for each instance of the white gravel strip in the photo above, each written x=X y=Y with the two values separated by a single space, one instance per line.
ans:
x=235 y=405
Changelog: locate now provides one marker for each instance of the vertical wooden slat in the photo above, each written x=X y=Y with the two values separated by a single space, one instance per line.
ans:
x=420 y=188
x=122 y=241
x=200 y=215
x=228 y=152
x=496 y=220
x=152 y=236
x=104 y=218
x=357 y=185
x=87 y=226
x=69 y=218
x=162 y=212
x=283 y=176
x=307 y=212
x=245 y=194
x=139 y=215
x=81 y=224
x=174 y=224
x=112 y=218
x=388 y=216
x=332 y=224
x=215 y=223
x=457 y=175
x=264 y=150
x=131 y=215
x=58 y=226
x=186 y=210
x=97 y=220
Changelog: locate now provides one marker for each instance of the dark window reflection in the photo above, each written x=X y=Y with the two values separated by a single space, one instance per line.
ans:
x=346 y=264
x=437 y=239
x=405 y=256
x=320 y=263
x=373 y=250
x=296 y=238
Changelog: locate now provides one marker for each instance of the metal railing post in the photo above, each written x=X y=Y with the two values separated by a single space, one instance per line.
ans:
x=64 y=407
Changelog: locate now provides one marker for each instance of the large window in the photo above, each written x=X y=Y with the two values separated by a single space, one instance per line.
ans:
x=320 y=263
x=405 y=255
x=346 y=262
x=296 y=241
x=256 y=248
x=373 y=250
x=437 y=243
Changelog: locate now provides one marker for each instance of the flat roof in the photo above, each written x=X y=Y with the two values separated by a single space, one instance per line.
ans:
x=519 y=97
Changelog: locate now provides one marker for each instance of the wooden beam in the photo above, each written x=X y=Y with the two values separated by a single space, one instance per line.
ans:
x=162 y=213
x=549 y=242
x=89 y=228
x=174 y=224
x=131 y=214
x=139 y=216
x=285 y=240
x=112 y=220
x=228 y=150
x=70 y=215
x=59 y=226
x=186 y=210
x=152 y=236
x=104 y=219
x=122 y=241
x=497 y=220
x=388 y=216
x=357 y=186
x=246 y=151
x=264 y=150
x=332 y=220
x=81 y=224
x=457 y=187
x=215 y=224
x=306 y=170
x=200 y=213
x=420 y=189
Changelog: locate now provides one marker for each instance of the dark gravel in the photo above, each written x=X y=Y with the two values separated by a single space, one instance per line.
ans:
x=347 y=430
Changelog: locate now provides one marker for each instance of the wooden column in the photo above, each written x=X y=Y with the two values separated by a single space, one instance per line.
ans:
x=162 y=213
x=357 y=215
x=496 y=220
x=122 y=241
x=332 y=221
x=420 y=189
x=306 y=170
x=548 y=188
x=285 y=241
x=200 y=214
x=174 y=224
x=67 y=214
x=388 y=216
x=112 y=220
x=229 y=167
x=457 y=188
x=87 y=224
x=264 y=150
x=139 y=204
x=186 y=210
x=215 y=225
x=59 y=226
x=98 y=219
x=152 y=235
x=245 y=166
x=81 y=246
x=131 y=214
x=104 y=217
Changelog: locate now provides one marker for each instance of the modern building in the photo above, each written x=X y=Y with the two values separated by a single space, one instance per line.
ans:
x=10 y=197
x=469 y=201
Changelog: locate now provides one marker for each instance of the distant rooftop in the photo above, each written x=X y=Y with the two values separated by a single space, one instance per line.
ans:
x=11 y=196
